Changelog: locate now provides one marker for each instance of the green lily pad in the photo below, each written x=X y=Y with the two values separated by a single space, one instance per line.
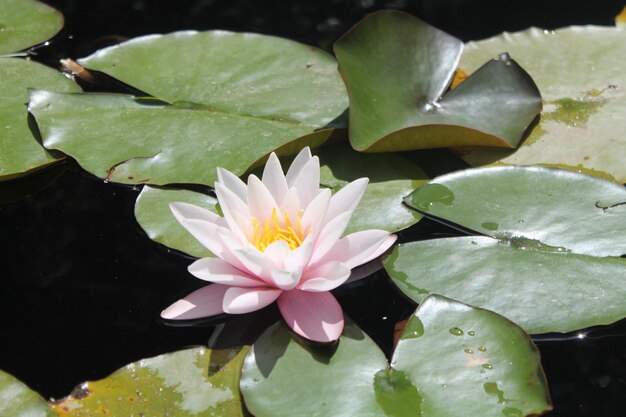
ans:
x=553 y=207
x=579 y=73
x=430 y=366
x=190 y=383
x=125 y=139
x=245 y=74
x=17 y=400
x=26 y=23
x=156 y=219
x=282 y=376
x=547 y=265
x=466 y=361
x=222 y=99
x=397 y=69
x=20 y=151
x=391 y=178
x=540 y=288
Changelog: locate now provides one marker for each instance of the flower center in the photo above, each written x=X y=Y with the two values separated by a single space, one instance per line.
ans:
x=272 y=230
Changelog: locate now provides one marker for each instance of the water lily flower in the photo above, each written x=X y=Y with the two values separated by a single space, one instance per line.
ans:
x=280 y=239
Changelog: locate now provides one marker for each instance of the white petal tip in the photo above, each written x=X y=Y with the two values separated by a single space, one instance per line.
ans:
x=177 y=309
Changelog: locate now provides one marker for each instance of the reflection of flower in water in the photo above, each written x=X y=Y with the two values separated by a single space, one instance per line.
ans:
x=279 y=240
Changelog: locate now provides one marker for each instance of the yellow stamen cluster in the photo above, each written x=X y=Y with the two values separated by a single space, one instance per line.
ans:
x=272 y=230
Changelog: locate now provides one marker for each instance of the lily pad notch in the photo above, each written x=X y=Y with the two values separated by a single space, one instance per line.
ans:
x=397 y=70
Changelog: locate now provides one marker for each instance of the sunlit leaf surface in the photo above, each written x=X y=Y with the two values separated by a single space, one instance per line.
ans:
x=190 y=383
x=397 y=69
x=554 y=207
x=391 y=177
x=579 y=71
x=20 y=151
x=124 y=139
x=224 y=99
x=448 y=350
x=17 y=400
x=467 y=361
x=551 y=262
x=25 y=23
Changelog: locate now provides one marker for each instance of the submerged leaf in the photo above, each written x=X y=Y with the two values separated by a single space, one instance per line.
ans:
x=431 y=364
x=580 y=75
x=397 y=68
x=190 y=383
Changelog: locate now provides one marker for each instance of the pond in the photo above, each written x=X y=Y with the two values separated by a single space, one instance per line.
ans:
x=84 y=285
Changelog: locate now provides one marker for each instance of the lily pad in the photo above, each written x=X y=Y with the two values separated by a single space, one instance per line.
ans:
x=17 y=400
x=20 y=151
x=156 y=219
x=547 y=265
x=428 y=368
x=397 y=69
x=466 y=361
x=391 y=178
x=221 y=99
x=579 y=72
x=125 y=139
x=26 y=23
x=190 y=383
x=541 y=289
x=244 y=74
x=553 y=207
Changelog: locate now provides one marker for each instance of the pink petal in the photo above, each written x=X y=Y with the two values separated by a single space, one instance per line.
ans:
x=205 y=233
x=358 y=248
x=316 y=316
x=205 y=302
x=325 y=277
x=329 y=235
x=284 y=279
x=277 y=252
x=296 y=166
x=256 y=263
x=316 y=210
x=232 y=182
x=213 y=238
x=308 y=181
x=244 y=300
x=231 y=204
x=184 y=211
x=386 y=244
x=299 y=257
x=274 y=179
x=220 y=272
x=261 y=203
x=291 y=203
x=347 y=198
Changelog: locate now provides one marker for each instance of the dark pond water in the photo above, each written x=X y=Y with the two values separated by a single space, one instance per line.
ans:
x=83 y=285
